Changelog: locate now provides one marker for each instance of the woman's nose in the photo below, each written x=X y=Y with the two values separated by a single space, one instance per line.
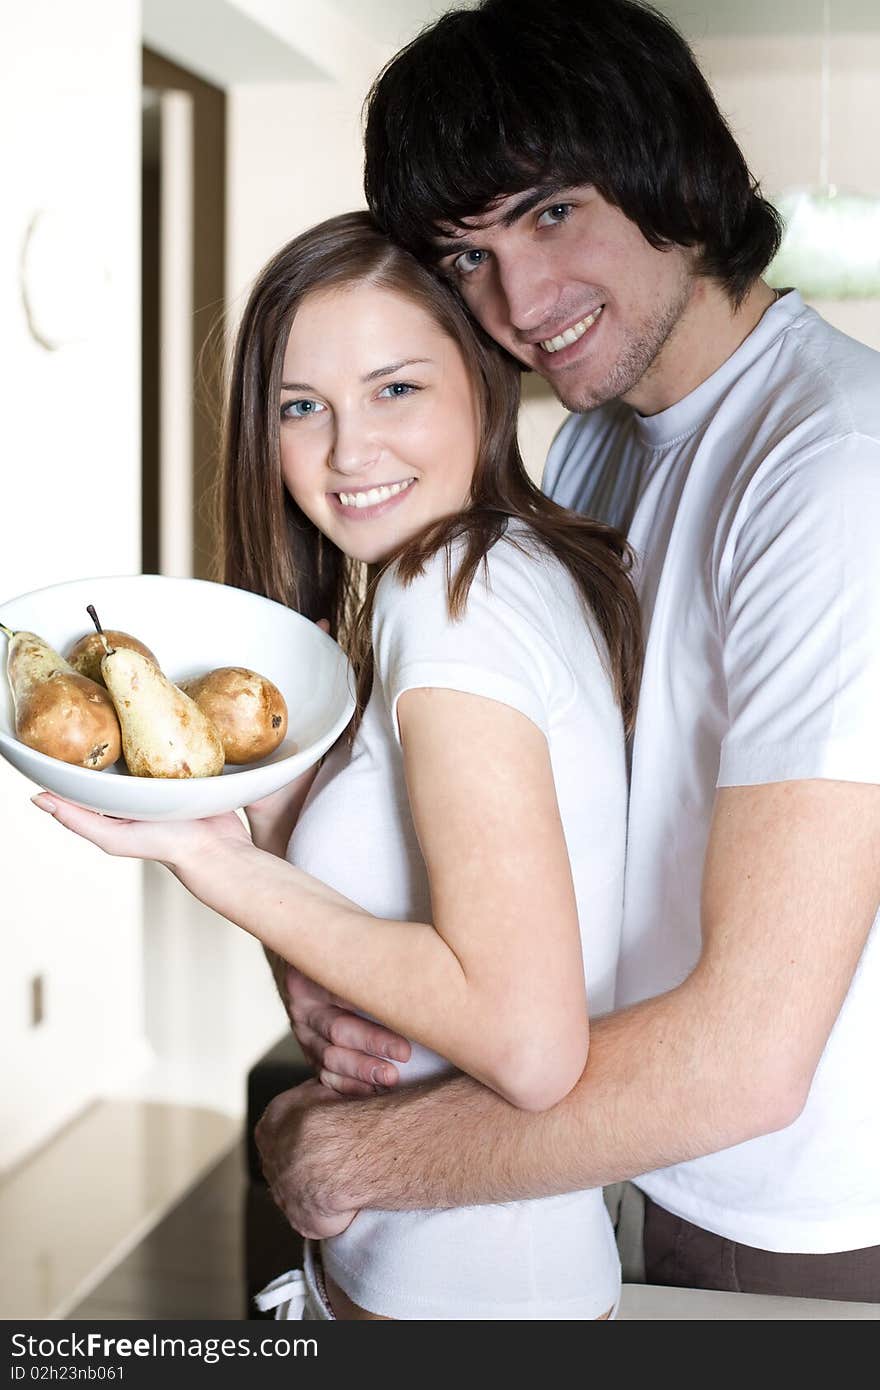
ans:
x=354 y=449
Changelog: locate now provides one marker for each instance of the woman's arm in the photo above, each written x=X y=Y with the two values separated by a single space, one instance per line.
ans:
x=496 y=984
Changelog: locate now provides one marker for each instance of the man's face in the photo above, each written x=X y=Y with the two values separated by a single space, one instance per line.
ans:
x=571 y=288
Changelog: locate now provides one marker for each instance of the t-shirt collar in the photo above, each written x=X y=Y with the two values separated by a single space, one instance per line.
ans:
x=686 y=415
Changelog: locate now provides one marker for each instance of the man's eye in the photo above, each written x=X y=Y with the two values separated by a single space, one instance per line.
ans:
x=298 y=410
x=468 y=261
x=395 y=389
x=550 y=217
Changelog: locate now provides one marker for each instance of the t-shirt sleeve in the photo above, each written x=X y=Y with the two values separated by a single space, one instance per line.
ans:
x=501 y=648
x=802 y=624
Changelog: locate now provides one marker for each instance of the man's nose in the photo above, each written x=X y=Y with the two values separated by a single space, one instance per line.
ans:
x=530 y=293
x=355 y=448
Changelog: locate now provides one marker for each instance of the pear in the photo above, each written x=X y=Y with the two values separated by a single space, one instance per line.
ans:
x=164 y=733
x=58 y=711
x=247 y=710
x=85 y=655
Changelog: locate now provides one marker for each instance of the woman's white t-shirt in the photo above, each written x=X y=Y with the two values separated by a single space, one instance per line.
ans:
x=525 y=641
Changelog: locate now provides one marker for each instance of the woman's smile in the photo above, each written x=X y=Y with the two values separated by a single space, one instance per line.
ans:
x=365 y=503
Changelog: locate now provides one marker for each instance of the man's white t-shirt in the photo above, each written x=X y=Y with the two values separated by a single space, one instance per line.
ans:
x=525 y=641
x=753 y=506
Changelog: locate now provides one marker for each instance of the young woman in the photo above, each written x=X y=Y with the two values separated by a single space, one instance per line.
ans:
x=457 y=867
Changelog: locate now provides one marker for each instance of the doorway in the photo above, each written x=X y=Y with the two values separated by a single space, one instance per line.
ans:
x=183 y=302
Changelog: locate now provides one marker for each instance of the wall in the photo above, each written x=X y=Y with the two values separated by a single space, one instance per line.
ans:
x=69 y=131
x=294 y=157
x=769 y=89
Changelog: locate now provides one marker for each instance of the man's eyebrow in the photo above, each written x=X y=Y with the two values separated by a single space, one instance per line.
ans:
x=529 y=202
x=520 y=208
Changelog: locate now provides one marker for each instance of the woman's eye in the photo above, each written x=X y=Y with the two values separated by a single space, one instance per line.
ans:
x=552 y=216
x=395 y=389
x=469 y=261
x=298 y=410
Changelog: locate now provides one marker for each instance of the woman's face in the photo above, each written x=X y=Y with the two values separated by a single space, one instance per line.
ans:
x=379 y=427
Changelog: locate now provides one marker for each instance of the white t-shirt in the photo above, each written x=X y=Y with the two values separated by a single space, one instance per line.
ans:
x=754 y=506
x=524 y=641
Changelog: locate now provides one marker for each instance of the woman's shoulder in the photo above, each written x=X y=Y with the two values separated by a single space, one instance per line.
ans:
x=516 y=570
x=499 y=641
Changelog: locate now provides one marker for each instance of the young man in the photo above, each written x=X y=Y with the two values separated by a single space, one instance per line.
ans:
x=566 y=165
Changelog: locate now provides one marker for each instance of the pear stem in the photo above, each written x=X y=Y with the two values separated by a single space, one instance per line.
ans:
x=7 y=630
x=94 y=617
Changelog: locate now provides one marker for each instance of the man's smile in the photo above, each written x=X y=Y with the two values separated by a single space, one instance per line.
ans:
x=572 y=334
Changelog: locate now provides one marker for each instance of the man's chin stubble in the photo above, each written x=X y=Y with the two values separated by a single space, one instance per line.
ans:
x=638 y=357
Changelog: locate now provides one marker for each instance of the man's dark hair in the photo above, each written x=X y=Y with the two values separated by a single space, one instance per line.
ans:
x=520 y=94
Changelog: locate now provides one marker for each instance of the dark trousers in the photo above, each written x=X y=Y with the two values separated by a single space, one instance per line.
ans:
x=687 y=1257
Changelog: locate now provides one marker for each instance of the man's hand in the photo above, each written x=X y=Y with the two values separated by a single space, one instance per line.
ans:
x=284 y=1135
x=349 y=1053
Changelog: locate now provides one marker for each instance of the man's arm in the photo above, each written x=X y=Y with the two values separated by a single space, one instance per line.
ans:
x=790 y=890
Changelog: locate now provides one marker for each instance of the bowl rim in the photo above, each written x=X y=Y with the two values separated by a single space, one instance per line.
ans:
x=346 y=673
x=163 y=578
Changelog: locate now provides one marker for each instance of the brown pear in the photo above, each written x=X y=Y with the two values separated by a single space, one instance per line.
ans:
x=164 y=733
x=57 y=711
x=86 y=655
x=247 y=710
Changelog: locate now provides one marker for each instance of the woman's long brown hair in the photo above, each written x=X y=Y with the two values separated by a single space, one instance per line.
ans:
x=271 y=547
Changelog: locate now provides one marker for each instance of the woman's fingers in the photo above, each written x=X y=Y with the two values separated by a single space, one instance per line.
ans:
x=353 y=1063
x=346 y=1046
x=344 y=1085
x=356 y=1034
x=357 y=1066
x=108 y=834
x=174 y=843
x=321 y=1019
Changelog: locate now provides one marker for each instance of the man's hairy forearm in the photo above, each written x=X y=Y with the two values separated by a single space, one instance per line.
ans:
x=790 y=891
x=650 y=1096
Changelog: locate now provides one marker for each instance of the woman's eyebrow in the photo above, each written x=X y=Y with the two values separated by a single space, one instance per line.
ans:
x=370 y=376
x=395 y=367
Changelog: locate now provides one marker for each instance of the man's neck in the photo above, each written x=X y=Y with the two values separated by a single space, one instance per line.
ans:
x=709 y=332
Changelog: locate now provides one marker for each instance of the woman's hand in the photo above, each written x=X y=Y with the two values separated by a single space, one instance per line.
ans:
x=177 y=844
x=350 y=1053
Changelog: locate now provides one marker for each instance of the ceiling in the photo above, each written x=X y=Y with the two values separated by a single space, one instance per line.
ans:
x=229 y=41
x=394 y=22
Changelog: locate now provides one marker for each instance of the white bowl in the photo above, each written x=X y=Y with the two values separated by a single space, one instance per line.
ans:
x=192 y=626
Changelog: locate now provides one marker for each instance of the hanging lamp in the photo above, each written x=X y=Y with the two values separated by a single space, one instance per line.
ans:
x=831 y=245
